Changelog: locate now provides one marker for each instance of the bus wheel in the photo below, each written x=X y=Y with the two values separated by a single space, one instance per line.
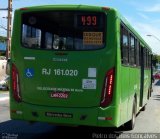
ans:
x=149 y=94
x=143 y=108
x=130 y=124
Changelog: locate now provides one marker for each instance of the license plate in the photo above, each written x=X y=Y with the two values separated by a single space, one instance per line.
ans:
x=63 y=95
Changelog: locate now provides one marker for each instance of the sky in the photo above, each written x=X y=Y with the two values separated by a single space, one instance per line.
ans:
x=143 y=15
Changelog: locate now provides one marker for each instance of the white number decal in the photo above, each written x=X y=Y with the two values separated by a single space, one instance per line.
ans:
x=67 y=72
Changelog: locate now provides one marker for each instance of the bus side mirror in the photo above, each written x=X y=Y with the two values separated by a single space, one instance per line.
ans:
x=8 y=67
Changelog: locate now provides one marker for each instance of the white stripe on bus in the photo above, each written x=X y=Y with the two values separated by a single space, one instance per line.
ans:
x=29 y=58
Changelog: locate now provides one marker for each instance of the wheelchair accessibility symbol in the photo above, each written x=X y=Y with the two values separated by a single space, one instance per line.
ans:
x=29 y=72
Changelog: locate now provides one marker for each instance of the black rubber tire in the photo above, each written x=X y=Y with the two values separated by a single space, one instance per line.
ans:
x=130 y=124
x=143 y=108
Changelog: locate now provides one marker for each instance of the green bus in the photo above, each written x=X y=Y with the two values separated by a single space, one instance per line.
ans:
x=78 y=65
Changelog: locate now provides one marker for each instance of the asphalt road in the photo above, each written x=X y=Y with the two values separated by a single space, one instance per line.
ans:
x=147 y=121
x=4 y=106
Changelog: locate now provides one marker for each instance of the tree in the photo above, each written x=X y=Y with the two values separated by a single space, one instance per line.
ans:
x=158 y=58
x=3 y=39
x=155 y=60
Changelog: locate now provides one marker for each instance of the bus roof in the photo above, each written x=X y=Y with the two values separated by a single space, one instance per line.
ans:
x=65 y=7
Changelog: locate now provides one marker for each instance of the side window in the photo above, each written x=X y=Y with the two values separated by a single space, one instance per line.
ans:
x=137 y=53
x=132 y=50
x=124 y=46
x=149 y=60
x=140 y=54
x=144 y=57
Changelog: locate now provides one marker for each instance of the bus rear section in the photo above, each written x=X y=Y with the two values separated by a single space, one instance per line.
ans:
x=62 y=69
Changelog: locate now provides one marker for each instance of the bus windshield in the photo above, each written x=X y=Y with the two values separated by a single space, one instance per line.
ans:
x=63 y=30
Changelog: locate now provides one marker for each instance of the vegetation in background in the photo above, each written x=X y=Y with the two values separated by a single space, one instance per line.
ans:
x=155 y=60
x=3 y=39
x=158 y=58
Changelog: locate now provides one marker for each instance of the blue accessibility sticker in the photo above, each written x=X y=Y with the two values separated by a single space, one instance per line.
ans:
x=29 y=72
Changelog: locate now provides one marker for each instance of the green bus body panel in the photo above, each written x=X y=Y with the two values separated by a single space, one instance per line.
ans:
x=36 y=91
x=90 y=115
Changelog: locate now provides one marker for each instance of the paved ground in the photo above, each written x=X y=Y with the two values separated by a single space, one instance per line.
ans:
x=149 y=120
x=4 y=106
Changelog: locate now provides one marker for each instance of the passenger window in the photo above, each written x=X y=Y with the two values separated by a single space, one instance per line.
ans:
x=124 y=46
x=132 y=50
x=137 y=53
